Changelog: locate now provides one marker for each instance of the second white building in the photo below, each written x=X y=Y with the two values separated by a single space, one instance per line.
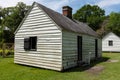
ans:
x=111 y=43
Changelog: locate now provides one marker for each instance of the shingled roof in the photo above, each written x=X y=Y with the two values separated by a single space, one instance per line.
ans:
x=66 y=23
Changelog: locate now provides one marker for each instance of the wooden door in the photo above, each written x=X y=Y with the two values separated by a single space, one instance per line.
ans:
x=79 y=46
x=96 y=48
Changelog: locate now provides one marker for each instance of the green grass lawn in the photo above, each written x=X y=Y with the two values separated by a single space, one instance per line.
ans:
x=11 y=71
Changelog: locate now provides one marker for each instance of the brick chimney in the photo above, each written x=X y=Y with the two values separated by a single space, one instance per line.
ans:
x=67 y=11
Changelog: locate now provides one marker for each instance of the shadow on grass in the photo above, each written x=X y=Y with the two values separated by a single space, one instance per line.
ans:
x=83 y=68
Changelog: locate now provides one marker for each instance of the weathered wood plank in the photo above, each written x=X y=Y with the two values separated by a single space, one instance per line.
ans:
x=38 y=65
x=49 y=37
x=69 y=48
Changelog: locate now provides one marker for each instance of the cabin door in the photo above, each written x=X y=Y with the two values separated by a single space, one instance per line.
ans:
x=96 y=48
x=79 y=46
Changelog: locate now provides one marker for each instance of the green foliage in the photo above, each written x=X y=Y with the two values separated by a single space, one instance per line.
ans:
x=13 y=20
x=7 y=52
x=1 y=39
x=11 y=71
x=93 y=15
x=11 y=17
x=114 y=23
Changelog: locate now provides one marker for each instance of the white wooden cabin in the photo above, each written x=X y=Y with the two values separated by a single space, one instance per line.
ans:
x=111 y=43
x=48 y=39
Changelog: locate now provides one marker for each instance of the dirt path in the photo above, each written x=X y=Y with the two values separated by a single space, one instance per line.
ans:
x=95 y=70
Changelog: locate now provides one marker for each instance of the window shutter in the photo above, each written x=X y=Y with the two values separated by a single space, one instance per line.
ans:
x=26 y=44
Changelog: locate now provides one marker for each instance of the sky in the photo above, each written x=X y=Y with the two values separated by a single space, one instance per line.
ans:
x=108 y=5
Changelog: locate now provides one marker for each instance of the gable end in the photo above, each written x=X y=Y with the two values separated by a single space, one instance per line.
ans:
x=29 y=13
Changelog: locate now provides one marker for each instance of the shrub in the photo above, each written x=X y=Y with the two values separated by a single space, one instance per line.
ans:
x=6 y=52
x=1 y=51
x=10 y=52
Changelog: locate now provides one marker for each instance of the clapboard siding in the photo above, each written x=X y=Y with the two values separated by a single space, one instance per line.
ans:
x=69 y=48
x=99 y=47
x=40 y=58
x=116 y=43
x=49 y=41
x=56 y=47
x=69 y=53
x=38 y=65
x=34 y=19
x=39 y=32
x=39 y=55
x=88 y=46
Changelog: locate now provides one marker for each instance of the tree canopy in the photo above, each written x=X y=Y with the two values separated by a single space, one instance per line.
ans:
x=114 y=23
x=11 y=17
x=92 y=15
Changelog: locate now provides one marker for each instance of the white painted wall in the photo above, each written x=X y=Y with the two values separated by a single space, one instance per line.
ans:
x=55 y=48
x=116 y=43
x=49 y=41
x=69 y=48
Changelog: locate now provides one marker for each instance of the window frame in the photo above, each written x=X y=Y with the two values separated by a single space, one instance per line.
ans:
x=31 y=47
x=26 y=44
x=110 y=43
x=30 y=43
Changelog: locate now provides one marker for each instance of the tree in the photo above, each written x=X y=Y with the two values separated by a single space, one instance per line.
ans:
x=102 y=31
x=15 y=16
x=0 y=15
x=92 y=15
x=11 y=18
x=114 y=23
